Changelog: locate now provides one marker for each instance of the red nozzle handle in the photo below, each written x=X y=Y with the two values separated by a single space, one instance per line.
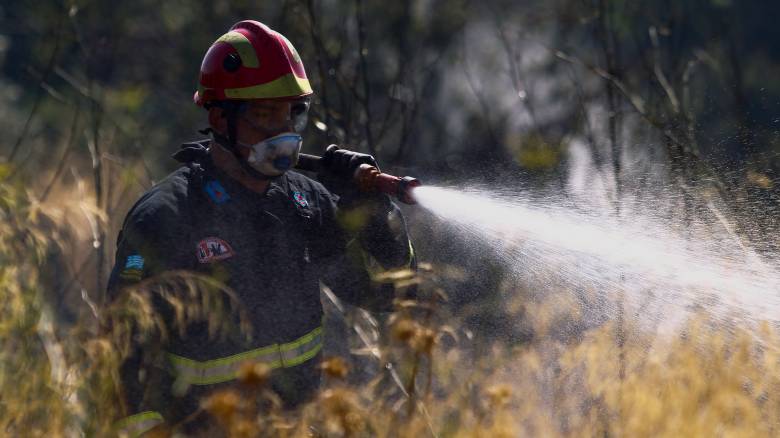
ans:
x=369 y=179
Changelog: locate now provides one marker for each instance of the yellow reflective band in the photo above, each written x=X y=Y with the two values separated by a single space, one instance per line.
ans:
x=243 y=46
x=288 y=85
x=301 y=358
x=286 y=355
x=131 y=274
x=301 y=350
x=138 y=424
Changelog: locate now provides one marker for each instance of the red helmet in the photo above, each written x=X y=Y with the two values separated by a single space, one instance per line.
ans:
x=251 y=61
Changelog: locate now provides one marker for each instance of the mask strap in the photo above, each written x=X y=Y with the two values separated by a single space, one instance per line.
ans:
x=231 y=114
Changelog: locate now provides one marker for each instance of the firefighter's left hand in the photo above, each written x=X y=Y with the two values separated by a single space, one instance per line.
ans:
x=343 y=163
x=337 y=174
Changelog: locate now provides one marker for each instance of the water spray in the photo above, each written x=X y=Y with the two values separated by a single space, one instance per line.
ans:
x=369 y=179
x=664 y=273
x=590 y=249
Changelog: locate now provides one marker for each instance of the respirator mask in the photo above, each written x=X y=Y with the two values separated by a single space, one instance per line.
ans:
x=277 y=154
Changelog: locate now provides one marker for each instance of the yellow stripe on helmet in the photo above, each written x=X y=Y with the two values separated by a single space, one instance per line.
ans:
x=288 y=85
x=243 y=46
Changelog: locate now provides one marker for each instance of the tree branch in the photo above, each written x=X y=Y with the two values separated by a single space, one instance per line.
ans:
x=39 y=89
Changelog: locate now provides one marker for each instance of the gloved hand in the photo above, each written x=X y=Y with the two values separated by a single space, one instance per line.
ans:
x=337 y=174
x=343 y=163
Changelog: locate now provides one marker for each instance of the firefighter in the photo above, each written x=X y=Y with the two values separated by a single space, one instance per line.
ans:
x=235 y=211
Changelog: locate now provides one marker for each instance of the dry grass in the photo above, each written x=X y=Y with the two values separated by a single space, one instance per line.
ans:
x=706 y=380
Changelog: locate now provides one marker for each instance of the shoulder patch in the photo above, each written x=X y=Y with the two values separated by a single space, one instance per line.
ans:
x=212 y=249
x=216 y=192
x=300 y=199
x=134 y=261
x=134 y=268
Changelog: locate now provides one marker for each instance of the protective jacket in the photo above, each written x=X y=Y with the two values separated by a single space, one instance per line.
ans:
x=272 y=250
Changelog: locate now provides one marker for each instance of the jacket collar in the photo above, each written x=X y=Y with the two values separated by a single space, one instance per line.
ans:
x=198 y=152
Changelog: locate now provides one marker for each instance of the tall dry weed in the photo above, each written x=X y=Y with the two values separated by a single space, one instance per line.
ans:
x=61 y=379
x=435 y=378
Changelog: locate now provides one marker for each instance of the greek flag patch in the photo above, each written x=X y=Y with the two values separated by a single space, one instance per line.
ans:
x=134 y=268
x=134 y=262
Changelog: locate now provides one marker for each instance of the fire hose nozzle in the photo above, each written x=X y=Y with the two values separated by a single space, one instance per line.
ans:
x=369 y=179
x=405 y=189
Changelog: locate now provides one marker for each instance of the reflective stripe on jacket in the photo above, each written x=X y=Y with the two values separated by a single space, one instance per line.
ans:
x=135 y=425
x=290 y=354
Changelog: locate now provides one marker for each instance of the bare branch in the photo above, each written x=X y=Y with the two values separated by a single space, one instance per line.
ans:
x=322 y=62
x=39 y=93
x=362 y=51
x=65 y=155
x=514 y=67
x=594 y=150
x=687 y=104
x=636 y=101
x=659 y=73
x=480 y=98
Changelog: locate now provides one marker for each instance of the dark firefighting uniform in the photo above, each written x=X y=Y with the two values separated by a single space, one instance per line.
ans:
x=272 y=250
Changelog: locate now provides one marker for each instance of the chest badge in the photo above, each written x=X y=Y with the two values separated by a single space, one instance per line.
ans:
x=300 y=199
x=212 y=249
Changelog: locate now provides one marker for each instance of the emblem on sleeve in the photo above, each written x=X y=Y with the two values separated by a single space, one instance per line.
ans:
x=134 y=267
x=212 y=249
x=216 y=192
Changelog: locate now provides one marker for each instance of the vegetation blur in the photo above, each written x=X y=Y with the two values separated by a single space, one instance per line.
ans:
x=96 y=95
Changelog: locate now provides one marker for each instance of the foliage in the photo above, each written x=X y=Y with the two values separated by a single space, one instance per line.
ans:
x=57 y=381
x=706 y=380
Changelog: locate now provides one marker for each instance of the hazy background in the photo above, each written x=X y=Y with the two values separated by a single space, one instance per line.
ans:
x=603 y=102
